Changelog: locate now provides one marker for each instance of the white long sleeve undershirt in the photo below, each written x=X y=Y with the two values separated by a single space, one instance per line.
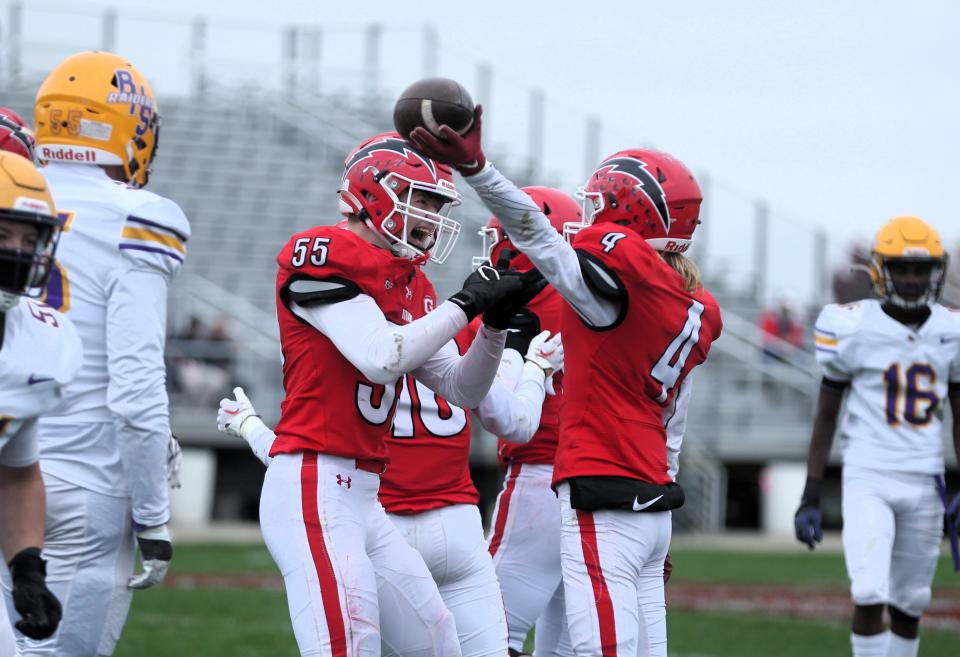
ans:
x=510 y=410
x=531 y=232
x=383 y=352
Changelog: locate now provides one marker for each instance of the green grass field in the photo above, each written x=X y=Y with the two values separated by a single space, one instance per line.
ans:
x=241 y=622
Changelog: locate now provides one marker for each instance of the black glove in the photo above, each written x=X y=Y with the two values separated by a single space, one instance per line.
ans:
x=808 y=521
x=500 y=315
x=38 y=607
x=484 y=288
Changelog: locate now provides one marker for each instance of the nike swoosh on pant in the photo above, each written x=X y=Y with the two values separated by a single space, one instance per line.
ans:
x=640 y=507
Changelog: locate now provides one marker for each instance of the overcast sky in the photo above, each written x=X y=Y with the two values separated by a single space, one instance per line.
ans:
x=840 y=113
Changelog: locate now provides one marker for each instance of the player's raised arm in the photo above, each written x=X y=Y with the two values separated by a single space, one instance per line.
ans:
x=529 y=228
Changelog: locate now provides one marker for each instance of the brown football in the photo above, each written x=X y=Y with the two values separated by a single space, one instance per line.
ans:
x=431 y=103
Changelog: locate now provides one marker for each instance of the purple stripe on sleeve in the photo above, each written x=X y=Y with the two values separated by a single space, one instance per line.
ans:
x=151 y=249
x=826 y=349
x=154 y=224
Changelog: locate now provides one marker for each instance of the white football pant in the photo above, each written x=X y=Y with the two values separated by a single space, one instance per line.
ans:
x=450 y=539
x=525 y=545
x=612 y=565
x=90 y=550
x=346 y=567
x=8 y=646
x=892 y=526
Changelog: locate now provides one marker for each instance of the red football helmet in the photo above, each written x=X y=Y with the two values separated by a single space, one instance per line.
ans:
x=650 y=192
x=559 y=208
x=380 y=177
x=15 y=135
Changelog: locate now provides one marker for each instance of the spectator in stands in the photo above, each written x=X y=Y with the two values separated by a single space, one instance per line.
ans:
x=851 y=281
x=781 y=329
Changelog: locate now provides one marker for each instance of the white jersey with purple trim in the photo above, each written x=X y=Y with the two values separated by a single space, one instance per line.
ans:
x=899 y=378
x=40 y=354
x=119 y=251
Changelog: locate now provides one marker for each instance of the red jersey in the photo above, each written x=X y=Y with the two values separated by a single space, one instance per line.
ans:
x=330 y=407
x=620 y=379
x=542 y=448
x=429 y=449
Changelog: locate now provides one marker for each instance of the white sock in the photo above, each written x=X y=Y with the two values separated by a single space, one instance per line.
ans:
x=900 y=647
x=870 y=646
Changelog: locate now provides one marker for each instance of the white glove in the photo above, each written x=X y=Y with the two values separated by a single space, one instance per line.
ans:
x=547 y=354
x=238 y=417
x=174 y=462
x=156 y=550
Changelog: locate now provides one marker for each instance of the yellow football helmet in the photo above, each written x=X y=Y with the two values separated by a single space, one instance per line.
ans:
x=902 y=240
x=24 y=201
x=96 y=108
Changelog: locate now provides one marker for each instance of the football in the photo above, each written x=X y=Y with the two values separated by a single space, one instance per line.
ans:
x=433 y=102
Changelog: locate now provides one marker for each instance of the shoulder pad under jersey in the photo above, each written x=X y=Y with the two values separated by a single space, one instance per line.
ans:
x=154 y=235
x=832 y=334
x=331 y=252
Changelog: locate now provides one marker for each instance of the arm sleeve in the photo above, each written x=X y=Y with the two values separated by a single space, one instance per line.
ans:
x=464 y=380
x=21 y=450
x=676 y=425
x=381 y=351
x=511 y=411
x=532 y=233
x=261 y=440
x=136 y=390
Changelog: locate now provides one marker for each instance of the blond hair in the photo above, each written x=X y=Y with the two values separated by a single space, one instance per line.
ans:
x=686 y=267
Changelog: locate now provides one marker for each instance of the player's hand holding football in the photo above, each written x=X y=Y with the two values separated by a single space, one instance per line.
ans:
x=156 y=550
x=465 y=153
x=39 y=609
x=808 y=521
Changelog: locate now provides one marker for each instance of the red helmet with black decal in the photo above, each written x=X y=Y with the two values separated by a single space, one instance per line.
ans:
x=648 y=191
x=380 y=178
x=15 y=135
x=558 y=207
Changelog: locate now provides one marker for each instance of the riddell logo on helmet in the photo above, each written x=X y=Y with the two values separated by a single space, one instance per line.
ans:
x=67 y=155
x=676 y=247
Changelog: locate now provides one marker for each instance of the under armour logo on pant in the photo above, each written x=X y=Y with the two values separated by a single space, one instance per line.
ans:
x=343 y=482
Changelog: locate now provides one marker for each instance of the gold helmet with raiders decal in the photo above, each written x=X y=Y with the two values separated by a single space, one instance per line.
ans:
x=96 y=108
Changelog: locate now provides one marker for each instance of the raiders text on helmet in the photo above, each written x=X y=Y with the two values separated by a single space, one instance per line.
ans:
x=96 y=108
